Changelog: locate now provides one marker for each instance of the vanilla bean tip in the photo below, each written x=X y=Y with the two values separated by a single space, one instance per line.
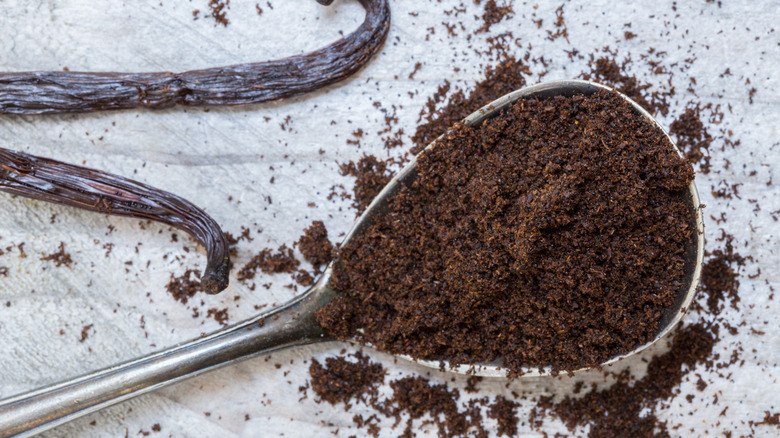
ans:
x=216 y=279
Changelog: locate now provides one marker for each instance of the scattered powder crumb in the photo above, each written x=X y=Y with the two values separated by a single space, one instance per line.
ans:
x=283 y=261
x=221 y=316
x=417 y=67
x=770 y=419
x=304 y=278
x=692 y=137
x=507 y=76
x=372 y=175
x=471 y=384
x=493 y=14
x=719 y=281
x=61 y=257
x=342 y=380
x=232 y=244
x=218 y=10
x=233 y=241
x=108 y=247
x=560 y=26
x=504 y=411
x=607 y=71
x=85 y=333
x=315 y=246
x=185 y=286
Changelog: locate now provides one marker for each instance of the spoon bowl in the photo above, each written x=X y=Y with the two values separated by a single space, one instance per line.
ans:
x=294 y=323
x=694 y=250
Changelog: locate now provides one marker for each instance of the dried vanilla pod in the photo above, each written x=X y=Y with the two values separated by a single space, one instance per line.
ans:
x=48 y=92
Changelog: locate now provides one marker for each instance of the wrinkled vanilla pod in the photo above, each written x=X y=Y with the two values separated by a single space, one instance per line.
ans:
x=94 y=190
x=63 y=91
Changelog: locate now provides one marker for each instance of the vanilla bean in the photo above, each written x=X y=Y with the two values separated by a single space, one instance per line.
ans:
x=94 y=190
x=63 y=91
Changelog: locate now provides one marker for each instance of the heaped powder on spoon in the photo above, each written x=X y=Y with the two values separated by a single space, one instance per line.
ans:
x=552 y=235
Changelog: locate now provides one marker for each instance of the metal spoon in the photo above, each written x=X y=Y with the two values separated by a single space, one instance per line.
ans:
x=289 y=325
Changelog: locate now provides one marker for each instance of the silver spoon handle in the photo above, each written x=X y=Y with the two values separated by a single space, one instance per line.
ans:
x=39 y=410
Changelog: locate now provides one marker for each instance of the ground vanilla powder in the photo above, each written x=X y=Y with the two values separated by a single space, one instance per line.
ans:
x=551 y=235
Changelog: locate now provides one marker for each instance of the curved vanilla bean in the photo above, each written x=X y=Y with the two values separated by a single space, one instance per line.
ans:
x=94 y=190
x=62 y=91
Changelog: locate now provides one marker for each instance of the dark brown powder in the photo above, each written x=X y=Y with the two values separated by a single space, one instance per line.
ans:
x=413 y=398
x=219 y=315
x=185 y=286
x=493 y=14
x=613 y=412
x=606 y=70
x=218 y=10
x=372 y=175
x=85 y=333
x=341 y=380
x=616 y=411
x=770 y=419
x=417 y=397
x=719 y=281
x=304 y=278
x=719 y=276
x=471 y=384
x=560 y=26
x=507 y=76
x=282 y=261
x=692 y=137
x=551 y=236
x=61 y=257
x=315 y=246
x=504 y=411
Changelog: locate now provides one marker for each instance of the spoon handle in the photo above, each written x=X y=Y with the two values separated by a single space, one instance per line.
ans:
x=39 y=410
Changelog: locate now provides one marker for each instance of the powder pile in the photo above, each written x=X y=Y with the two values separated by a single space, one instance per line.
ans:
x=618 y=410
x=413 y=398
x=281 y=261
x=340 y=380
x=552 y=235
x=315 y=246
x=372 y=175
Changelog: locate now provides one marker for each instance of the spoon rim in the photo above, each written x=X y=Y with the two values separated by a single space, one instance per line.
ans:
x=487 y=111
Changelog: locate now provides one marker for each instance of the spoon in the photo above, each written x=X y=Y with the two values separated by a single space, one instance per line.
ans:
x=294 y=323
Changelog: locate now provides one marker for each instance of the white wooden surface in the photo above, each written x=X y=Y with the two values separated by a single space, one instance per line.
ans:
x=207 y=156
